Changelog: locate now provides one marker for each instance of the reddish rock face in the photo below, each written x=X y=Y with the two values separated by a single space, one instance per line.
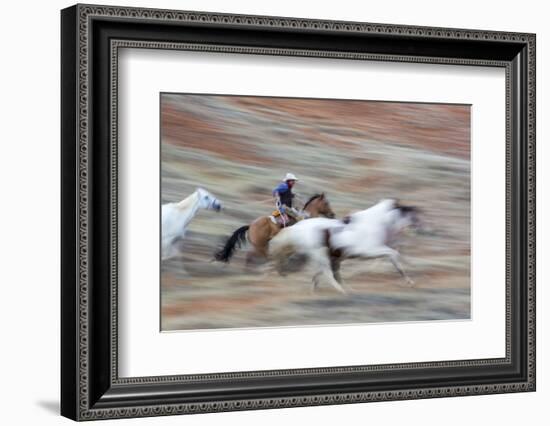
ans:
x=439 y=127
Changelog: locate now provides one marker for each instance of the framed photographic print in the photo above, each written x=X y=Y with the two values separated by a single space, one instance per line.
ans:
x=263 y=212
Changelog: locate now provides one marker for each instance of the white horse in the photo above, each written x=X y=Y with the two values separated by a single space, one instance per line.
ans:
x=327 y=242
x=176 y=218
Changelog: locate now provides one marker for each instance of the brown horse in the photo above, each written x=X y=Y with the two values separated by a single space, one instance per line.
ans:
x=264 y=229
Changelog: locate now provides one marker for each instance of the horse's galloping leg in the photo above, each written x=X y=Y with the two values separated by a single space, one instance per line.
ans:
x=335 y=283
x=314 y=282
x=258 y=235
x=394 y=256
x=335 y=263
x=397 y=264
x=324 y=264
x=249 y=257
x=262 y=250
x=172 y=255
x=335 y=266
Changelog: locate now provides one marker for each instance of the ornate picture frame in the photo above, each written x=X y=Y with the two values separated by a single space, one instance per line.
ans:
x=91 y=37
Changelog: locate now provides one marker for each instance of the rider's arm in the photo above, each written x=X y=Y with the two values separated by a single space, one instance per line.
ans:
x=277 y=198
x=276 y=193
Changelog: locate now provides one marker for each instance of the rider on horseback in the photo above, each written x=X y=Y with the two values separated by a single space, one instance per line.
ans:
x=283 y=199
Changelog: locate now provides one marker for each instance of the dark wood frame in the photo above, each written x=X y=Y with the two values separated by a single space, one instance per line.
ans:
x=91 y=37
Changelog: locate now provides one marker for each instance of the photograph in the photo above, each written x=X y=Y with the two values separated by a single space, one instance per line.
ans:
x=279 y=211
x=274 y=208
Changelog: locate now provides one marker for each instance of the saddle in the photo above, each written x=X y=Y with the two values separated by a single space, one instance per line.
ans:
x=278 y=219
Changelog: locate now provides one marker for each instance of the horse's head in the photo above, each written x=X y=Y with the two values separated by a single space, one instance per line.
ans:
x=319 y=205
x=208 y=201
x=408 y=216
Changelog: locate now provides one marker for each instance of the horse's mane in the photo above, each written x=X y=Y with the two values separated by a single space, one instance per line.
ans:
x=405 y=209
x=313 y=197
x=183 y=204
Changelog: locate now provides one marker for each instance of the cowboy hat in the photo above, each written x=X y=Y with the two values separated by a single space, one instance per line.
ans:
x=290 y=176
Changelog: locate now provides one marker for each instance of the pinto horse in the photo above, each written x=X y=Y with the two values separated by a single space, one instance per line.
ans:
x=264 y=228
x=366 y=234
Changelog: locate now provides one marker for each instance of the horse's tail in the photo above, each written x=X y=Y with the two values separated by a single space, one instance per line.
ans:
x=233 y=242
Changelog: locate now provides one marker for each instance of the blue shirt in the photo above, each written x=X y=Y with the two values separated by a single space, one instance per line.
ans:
x=281 y=188
x=285 y=194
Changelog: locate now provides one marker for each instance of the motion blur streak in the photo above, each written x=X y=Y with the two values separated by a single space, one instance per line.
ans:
x=357 y=152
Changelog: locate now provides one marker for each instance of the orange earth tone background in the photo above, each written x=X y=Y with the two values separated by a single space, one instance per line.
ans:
x=357 y=152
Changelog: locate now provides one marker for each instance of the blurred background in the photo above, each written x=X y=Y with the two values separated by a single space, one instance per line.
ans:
x=357 y=152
